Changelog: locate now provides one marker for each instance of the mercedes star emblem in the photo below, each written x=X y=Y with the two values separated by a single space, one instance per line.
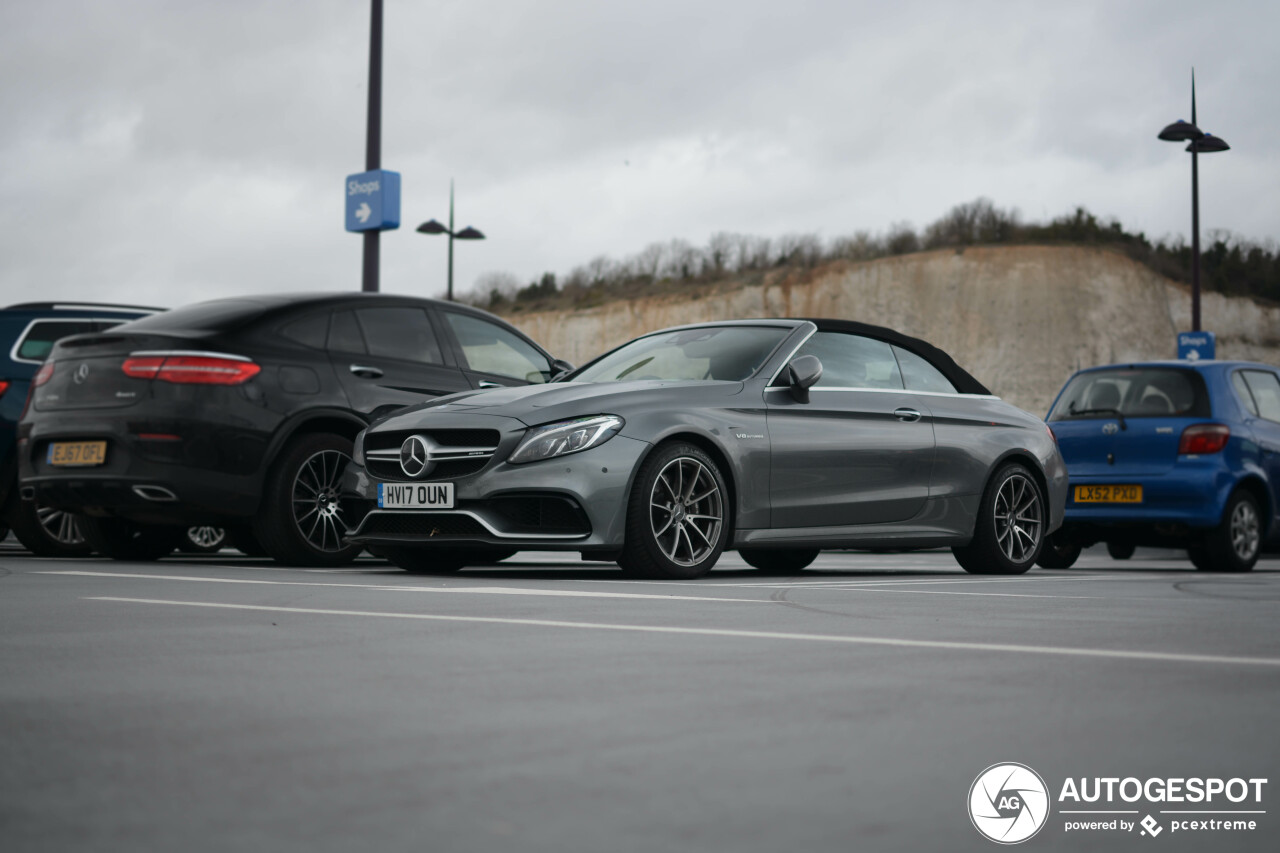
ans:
x=415 y=456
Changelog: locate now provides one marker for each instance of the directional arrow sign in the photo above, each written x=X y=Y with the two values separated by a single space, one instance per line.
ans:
x=372 y=201
x=1194 y=346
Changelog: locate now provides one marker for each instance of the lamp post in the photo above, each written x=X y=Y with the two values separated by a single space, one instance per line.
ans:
x=468 y=233
x=1198 y=142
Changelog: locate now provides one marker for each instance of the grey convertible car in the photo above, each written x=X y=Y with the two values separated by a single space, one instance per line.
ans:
x=777 y=438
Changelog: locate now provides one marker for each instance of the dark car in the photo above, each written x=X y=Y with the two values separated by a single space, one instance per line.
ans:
x=1174 y=454
x=777 y=438
x=240 y=413
x=28 y=332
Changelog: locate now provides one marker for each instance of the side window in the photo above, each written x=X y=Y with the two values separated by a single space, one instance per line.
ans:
x=489 y=348
x=310 y=331
x=920 y=375
x=852 y=361
x=403 y=333
x=344 y=334
x=1243 y=394
x=43 y=334
x=1266 y=392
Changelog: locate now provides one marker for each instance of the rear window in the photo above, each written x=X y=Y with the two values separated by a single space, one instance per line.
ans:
x=1142 y=392
x=43 y=334
x=218 y=315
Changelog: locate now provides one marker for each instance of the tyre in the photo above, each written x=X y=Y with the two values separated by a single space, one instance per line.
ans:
x=300 y=522
x=1234 y=545
x=242 y=539
x=121 y=539
x=203 y=540
x=678 y=515
x=1060 y=550
x=1121 y=550
x=427 y=561
x=1009 y=532
x=48 y=532
x=778 y=561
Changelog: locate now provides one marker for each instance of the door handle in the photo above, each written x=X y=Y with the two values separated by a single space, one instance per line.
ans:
x=906 y=415
x=487 y=384
x=366 y=372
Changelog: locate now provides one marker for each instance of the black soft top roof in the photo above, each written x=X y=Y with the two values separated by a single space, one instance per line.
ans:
x=958 y=376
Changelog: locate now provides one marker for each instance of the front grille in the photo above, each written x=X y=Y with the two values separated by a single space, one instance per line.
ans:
x=433 y=525
x=540 y=514
x=447 y=470
x=392 y=439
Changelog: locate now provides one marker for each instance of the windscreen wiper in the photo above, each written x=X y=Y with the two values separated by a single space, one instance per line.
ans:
x=1116 y=412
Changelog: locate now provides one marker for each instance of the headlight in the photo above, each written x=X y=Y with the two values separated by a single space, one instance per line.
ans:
x=357 y=449
x=566 y=437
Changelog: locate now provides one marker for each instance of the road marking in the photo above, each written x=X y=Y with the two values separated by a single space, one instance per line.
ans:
x=1120 y=654
x=481 y=590
x=954 y=592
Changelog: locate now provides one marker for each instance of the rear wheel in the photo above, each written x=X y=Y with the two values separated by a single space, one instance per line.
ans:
x=1009 y=532
x=780 y=561
x=1060 y=550
x=1234 y=545
x=301 y=521
x=49 y=532
x=121 y=539
x=203 y=539
x=1120 y=550
x=427 y=561
x=677 y=518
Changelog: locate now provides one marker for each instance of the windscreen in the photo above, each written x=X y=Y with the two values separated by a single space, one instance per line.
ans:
x=725 y=353
x=1150 y=392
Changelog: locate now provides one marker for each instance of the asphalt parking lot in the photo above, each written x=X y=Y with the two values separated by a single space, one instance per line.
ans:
x=223 y=702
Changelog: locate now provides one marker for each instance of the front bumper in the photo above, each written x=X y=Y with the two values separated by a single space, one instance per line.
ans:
x=570 y=503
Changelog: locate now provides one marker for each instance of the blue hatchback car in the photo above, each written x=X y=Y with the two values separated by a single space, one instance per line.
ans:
x=1173 y=454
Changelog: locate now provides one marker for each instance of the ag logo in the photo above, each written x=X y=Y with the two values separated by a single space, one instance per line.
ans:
x=1008 y=803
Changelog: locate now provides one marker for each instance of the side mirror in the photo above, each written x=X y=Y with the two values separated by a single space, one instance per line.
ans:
x=802 y=374
x=560 y=368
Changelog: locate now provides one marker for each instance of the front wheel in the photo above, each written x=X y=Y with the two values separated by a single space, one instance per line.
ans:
x=678 y=515
x=1060 y=550
x=1120 y=550
x=204 y=539
x=121 y=539
x=49 y=532
x=1009 y=532
x=1234 y=545
x=783 y=562
x=301 y=521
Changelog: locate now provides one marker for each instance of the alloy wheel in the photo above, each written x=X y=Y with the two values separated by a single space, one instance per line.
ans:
x=316 y=509
x=686 y=511
x=1245 y=535
x=62 y=527
x=1018 y=518
x=207 y=537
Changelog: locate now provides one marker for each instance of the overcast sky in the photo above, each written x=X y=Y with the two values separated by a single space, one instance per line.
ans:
x=166 y=152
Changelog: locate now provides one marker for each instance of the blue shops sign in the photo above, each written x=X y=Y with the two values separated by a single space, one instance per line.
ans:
x=1197 y=346
x=373 y=200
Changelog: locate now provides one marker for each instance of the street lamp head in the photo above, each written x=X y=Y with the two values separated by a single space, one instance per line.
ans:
x=1181 y=131
x=432 y=227
x=468 y=233
x=1208 y=144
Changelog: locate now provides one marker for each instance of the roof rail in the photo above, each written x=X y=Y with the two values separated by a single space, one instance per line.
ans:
x=75 y=306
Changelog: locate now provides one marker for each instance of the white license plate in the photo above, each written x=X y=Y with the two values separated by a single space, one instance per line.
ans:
x=415 y=495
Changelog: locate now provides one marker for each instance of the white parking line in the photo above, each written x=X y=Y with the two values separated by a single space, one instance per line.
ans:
x=478 y=590
x=1120 y=654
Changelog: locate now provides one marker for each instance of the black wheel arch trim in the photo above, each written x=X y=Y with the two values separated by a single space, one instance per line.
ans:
x=708 y=444
x=309 y=421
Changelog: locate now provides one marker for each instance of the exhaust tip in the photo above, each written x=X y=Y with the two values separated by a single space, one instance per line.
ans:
x=154 y=493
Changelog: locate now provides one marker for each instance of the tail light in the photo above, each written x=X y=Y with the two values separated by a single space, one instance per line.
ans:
x=43 y=375
x=4 y=386
x=191 y=368
x=1204 y=438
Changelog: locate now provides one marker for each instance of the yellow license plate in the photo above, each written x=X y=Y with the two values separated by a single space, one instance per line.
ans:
x=1108 y=494
x=77 y=453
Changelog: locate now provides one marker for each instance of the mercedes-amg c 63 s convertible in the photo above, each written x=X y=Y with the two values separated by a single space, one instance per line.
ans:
x=775 y=438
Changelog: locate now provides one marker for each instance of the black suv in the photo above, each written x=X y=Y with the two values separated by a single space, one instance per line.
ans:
x=28 y=332
x=241 y=413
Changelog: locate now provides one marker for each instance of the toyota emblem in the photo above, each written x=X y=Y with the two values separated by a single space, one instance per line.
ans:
x=415 y=456
x=1107 y=429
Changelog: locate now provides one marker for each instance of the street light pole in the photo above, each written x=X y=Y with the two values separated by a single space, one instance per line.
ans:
x=373 y=139
x=1197 y=141
x=468 y=233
